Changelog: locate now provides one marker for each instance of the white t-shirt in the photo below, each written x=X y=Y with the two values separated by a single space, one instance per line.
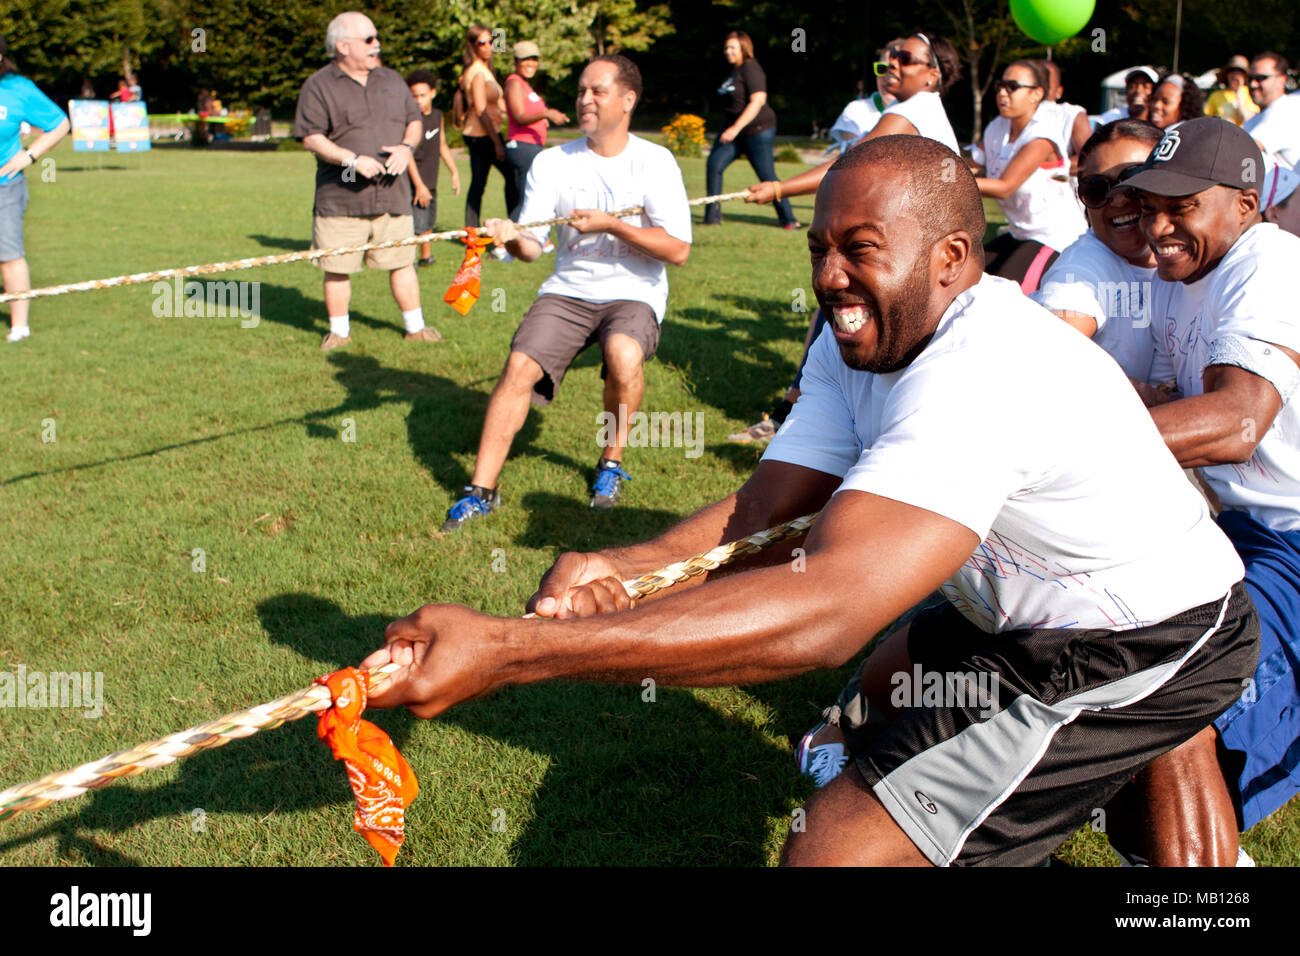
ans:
x=1091 y=279
x=1249 y=294
x=1044 y=208
x=1111 y=115
x=1022 y=430
x=1278 y=128
x=597 y=267
x=858 y=119
x=925 y=111
x=1066 y=113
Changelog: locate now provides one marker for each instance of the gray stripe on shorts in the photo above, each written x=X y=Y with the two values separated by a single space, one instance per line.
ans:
x=937 y=800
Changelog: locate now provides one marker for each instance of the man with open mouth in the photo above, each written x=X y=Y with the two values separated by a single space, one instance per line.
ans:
x=953 y=436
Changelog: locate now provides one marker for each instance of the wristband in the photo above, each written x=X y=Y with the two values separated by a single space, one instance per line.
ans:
x=777 y=187
x=31 y=156
x=410 y=147
x=352 y=161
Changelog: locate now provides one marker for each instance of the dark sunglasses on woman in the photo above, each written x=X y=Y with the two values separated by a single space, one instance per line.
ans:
x=1095 y=191
x=905 y=57
x=1011 y=86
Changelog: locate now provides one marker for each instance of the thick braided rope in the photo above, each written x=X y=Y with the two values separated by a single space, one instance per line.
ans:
x=722 y=554
x=254 y=262
x=67 y=784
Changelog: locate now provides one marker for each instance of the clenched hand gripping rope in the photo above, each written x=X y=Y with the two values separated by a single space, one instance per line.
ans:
x=381 y=780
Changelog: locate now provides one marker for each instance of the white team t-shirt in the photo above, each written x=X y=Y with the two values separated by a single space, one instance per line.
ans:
x=1248 y=294
x=857 y=120
x=925 y=111
x=1091 y=279
x=1044 y=208
x=1111 y=115
x=1278 y=129
x=1022 y=430
x=598 y=267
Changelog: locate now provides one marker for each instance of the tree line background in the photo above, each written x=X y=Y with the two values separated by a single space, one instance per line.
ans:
x=256 y=53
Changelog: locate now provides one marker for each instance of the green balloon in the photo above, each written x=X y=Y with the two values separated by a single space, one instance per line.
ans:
x=1051 y=21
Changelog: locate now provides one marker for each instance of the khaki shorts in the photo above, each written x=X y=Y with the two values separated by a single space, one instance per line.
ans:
x=329 y=232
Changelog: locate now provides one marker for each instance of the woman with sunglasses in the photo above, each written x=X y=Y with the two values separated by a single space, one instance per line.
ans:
x=481 y=99
x=1028 y=175
x=1176 y=99
x=1101 y=284
x=750 y=129
x=20 y=102
x=916 y=72
x=861 y=116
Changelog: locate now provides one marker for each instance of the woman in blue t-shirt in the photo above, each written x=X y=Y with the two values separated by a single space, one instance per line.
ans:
x=20 y=102
x=751 y=127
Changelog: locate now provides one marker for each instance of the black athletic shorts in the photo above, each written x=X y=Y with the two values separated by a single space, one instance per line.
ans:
x=1053 y=723
x=557 y=327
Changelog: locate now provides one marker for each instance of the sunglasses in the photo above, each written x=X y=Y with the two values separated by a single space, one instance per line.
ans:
x=1261 y=77
x=486 y=41
x=904 y=58
x=366 y=40
x=1011 y=86
x=1095 y=191
x=880 y=68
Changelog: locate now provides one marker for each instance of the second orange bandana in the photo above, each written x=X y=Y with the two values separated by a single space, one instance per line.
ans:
x=464 y=291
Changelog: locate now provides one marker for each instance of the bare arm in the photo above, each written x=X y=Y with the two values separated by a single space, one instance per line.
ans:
x=751 y=627
x=756 y=103
x=1022 y=166
x=478 y=95
x=517 y=104
x=37 y=148
x=1079 y=320
x=808 y=181
x=1224 y=424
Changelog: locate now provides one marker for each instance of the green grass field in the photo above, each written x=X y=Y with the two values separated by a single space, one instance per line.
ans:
x=173 y=434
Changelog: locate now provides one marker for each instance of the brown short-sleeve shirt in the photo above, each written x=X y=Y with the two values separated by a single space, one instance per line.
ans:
x=362 y=119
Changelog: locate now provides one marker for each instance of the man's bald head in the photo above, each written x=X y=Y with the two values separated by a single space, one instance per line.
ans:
x=940 y=187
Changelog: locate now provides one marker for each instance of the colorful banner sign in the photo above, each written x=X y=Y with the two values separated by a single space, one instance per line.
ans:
x=131 y=126
x=89 y=125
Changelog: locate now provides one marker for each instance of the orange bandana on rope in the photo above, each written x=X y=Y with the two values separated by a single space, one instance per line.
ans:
x=464 y=289
x=381 y=779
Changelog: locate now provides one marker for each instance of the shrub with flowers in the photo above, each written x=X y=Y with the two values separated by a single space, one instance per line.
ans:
x=684 y=135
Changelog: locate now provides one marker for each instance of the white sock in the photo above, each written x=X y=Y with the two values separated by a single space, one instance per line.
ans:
x=414 y=320
x=340 y=325
x=19 y=333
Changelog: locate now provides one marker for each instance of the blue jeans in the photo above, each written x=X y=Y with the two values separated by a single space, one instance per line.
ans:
x=519 y=157
x=758 y=150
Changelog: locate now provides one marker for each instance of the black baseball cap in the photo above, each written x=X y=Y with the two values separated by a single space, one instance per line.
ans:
x=1198 y=154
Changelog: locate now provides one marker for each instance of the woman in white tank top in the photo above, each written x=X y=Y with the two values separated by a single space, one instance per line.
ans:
x=1028 y=175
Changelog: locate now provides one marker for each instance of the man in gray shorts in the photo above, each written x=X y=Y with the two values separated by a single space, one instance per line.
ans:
x=610 y=285
x=362 y=124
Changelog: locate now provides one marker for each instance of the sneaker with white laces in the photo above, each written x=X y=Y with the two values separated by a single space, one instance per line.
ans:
x=822 y=762
x=608 y=484
x=18 y=334
x=477 y=501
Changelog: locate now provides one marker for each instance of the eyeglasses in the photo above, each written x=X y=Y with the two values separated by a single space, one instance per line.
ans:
x=1261 y=77
x=486 y=41
x=904 y=57
x=1011 y=86
x=1095 y=191
x=880 y=68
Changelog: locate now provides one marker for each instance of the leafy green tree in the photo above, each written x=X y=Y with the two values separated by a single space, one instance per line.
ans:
x=618 y=25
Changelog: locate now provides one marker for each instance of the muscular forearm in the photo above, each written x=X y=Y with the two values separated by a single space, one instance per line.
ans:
x=1209 y=429
x=713 y=635
x=653 y=241
x=806 y=182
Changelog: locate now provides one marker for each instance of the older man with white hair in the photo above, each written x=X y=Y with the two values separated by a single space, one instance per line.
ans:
x=360 y=121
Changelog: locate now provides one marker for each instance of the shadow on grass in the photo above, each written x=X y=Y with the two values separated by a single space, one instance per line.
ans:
x=286 y=305
x=291 y=243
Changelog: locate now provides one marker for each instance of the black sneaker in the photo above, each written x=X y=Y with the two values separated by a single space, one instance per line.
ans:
x=609 y=482
x=476 y=502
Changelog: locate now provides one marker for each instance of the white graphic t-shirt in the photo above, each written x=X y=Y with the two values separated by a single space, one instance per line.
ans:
x=1019 y=428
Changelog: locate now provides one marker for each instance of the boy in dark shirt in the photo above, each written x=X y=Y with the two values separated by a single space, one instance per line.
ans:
x=424 y=171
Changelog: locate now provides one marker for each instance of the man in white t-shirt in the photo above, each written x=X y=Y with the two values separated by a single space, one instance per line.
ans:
x=952 y=436
x=1139 y=84
x=610 y=284
x=1276 y=127
x=1227 y=332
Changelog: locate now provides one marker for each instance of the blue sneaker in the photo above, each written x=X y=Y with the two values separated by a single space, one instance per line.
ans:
x=476 y=503
x=609 y=482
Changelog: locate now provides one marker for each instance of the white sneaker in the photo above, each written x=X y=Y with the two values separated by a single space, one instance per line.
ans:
x=1243 y=858
x=499 y=252
x=824 y=762
x=17 y=335
x=548 y=248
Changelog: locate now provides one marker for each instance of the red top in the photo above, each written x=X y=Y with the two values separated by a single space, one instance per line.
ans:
x=533 y=132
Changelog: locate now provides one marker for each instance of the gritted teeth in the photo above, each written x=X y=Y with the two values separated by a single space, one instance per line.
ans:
x=849 y=318
x=1124 y=220
x=1166 y=250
